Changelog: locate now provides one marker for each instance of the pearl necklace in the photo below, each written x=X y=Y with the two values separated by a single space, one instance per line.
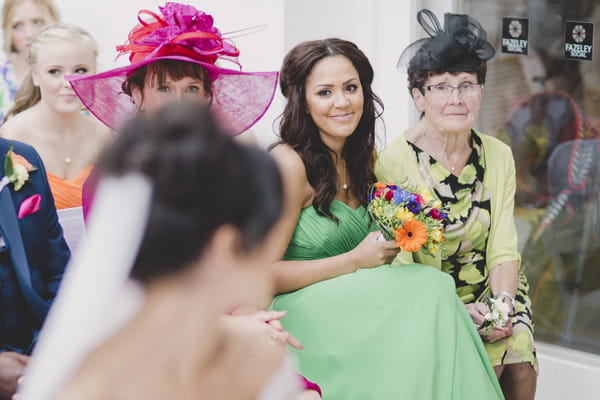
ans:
x=345 y=186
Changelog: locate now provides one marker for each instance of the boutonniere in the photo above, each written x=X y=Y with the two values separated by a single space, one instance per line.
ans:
x=16 y=170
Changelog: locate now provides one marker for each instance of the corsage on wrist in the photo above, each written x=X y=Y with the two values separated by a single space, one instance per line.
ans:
x=498 y=314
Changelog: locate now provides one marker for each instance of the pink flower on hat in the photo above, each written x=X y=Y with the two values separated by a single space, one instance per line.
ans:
x=182 y=30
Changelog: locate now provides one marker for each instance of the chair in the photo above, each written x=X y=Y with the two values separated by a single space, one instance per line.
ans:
x=71 y=220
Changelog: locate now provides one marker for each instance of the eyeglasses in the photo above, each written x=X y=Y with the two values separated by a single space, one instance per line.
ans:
x=443 y=91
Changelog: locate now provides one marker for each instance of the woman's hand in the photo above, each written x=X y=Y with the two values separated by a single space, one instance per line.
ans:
x=267 y=322
x=372 y=252
x=477 y=313
x=12 y=365
x=497 y=333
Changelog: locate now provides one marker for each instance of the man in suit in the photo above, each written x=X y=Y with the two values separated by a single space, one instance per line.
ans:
x=33 y=255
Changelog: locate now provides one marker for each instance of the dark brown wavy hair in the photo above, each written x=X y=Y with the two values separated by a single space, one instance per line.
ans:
x=298 y=130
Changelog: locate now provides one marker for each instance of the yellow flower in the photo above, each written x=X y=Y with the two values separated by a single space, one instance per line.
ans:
x=404 y=214
x=378 y=211
x=437 y=235
x=434 y=248
x=426 y=195
x=436 y=204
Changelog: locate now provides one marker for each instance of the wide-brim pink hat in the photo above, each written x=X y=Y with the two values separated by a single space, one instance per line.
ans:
x=182 y=33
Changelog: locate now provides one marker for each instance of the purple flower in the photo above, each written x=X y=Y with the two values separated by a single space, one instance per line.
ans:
x=414 y=206
x=187 y=17
x=403 y=196
x=443 y=215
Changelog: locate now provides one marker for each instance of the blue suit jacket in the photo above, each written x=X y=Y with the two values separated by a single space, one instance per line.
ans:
x=33 y=255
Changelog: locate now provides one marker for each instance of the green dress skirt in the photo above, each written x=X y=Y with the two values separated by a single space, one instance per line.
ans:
x=385 y=332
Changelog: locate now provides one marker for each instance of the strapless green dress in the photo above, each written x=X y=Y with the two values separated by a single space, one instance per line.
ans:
x=381 y=333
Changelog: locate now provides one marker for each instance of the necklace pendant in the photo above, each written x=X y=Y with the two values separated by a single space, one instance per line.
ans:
x=345 y=187
x=453 y=168
x=67 y=160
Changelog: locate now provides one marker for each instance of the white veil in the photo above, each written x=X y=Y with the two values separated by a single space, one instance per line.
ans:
x=96 y=296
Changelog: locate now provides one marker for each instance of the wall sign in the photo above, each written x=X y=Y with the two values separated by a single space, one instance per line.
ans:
x=579 y=37
x=515 y=35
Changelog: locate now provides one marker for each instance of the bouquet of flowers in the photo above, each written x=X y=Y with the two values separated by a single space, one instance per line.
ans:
x=408 y=215
x=497 y=316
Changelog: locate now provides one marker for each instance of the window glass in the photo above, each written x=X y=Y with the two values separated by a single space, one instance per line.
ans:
x=547 y=108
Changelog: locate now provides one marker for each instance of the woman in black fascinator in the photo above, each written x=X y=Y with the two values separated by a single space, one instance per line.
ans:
x=473 y=175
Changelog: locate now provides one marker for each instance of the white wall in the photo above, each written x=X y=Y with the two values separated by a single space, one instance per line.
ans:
x=567 y=374
x=381 y=28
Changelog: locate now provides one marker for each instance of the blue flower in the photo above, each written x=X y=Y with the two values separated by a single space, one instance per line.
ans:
x=403 y=196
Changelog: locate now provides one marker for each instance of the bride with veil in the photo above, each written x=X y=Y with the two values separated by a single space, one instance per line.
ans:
x=180 y=234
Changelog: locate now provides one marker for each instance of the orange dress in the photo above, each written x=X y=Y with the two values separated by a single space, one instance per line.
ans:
x=67 y=192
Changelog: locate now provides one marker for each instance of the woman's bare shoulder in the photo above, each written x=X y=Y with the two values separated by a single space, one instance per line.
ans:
x=288 y=159
x=19 y=127
x=293 y=173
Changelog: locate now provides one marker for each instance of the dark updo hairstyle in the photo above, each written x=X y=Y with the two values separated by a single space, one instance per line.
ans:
x=298 y=130
x=202 y=180
x=161 y=69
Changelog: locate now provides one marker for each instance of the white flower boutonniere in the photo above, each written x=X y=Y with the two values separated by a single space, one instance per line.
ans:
x=16 y=170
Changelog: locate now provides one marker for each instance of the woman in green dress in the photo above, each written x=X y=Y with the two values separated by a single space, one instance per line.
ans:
x=474 y=176
x=369 y=330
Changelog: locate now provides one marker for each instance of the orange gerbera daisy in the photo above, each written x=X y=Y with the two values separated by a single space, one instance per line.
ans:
x=412 y=235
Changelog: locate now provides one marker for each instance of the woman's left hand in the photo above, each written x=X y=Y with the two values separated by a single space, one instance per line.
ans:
x=497 y=333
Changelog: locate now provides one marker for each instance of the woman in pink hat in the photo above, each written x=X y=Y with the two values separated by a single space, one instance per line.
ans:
x=181 y=42
x=173 y=57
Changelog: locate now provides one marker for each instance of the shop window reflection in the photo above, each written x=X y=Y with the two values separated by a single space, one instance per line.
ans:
x=548 y=109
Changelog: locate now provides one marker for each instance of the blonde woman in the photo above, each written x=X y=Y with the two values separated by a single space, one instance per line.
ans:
x=47 y=113
x=21 y=21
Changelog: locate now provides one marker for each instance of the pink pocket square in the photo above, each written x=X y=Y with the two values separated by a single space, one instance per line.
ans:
x=29 y=206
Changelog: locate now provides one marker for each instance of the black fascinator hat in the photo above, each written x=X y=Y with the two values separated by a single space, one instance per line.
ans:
x=460 y=47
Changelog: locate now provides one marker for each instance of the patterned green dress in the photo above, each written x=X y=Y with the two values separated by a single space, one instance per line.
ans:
x=466 y=231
